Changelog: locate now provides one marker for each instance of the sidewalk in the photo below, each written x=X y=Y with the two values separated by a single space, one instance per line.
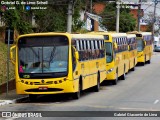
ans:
x=10 y=97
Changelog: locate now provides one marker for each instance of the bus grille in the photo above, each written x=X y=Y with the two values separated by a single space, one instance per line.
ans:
x=48 y=90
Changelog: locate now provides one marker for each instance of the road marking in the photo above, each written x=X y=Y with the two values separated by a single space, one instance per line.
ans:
x=119 y=108
x=10 y=118
x=156 y=101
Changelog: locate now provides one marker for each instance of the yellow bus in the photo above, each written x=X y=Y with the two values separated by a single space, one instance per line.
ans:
x=132 y=42
x=144 y=46
x=52 y=63
x=117 y=62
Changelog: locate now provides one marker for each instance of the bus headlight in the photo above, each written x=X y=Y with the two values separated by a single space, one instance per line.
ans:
x=110 y=70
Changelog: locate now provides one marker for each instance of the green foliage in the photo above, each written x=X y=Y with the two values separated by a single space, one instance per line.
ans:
x=18 y=19
x=126 y=20
x=77 y=23
x=3 y=64
x=54 y=18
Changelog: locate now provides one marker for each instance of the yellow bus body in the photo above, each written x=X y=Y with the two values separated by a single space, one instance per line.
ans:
x=85 y=73
x=132 y=51
x=145 y=46
x=119 y=65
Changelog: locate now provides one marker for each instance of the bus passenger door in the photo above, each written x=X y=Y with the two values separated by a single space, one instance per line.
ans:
x=75 y=66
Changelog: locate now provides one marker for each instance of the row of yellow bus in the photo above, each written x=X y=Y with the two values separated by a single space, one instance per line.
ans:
x=53 y=63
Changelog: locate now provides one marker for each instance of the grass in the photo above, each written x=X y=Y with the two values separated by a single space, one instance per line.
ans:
x=3 y=64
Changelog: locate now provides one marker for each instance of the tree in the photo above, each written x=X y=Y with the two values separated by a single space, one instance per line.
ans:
x=149 y=20
x=54 y=18
x=127 y=22
x=18 y=18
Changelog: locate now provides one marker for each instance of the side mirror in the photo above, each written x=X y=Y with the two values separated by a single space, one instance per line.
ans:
x=11 y=54
x=115 y=45
x=128 y=47
x=76 y=55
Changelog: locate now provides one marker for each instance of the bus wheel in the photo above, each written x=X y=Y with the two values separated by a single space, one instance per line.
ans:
x=97 y=87
x=133 y=66
x=32 y=97
x=144 y=61
x=123 y=77
x=77 y=94
x=149 y=61
x=116 y=80
x=133 y=69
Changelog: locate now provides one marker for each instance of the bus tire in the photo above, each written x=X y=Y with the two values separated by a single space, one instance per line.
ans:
x=77 y=94
x=123 y=77
x=133 y=69
x=114 y=82
x=144 y=61
x=97 y=87
x=149 y=61
x=32 y=97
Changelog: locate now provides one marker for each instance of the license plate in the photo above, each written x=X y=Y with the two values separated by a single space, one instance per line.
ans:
x=43 y=88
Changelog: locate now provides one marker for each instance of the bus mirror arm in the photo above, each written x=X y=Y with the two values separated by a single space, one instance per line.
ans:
x=115 y=46
x=76 y=55
x=128 y=47
x=11 y=54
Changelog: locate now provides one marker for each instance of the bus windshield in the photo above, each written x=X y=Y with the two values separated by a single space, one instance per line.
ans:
x=43 y=56
x=140 y=45
x=109 y=51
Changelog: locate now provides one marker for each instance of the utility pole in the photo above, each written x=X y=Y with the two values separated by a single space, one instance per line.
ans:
x=139 y=15
x=69 y=20
x=8 y=58
x=117 y=18
x=91 y=6
x=154 y=16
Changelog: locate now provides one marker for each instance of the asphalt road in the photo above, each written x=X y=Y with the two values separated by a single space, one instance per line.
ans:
x=139 y=92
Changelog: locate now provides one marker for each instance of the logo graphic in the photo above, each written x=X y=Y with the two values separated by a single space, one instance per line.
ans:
x=6 y=114
x=28 y=7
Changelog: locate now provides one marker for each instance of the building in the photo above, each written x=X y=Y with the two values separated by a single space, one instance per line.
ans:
x=92 y=21
x=143 y=25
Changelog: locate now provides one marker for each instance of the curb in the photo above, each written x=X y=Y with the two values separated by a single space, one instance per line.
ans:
x=18 y=100
x=6 y=102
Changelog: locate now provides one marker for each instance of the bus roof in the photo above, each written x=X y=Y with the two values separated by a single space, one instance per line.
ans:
x=113 y=34
x=131 y=35
x=87 y=36
x=65 y=34
x=143 y=33
x=43 y=34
